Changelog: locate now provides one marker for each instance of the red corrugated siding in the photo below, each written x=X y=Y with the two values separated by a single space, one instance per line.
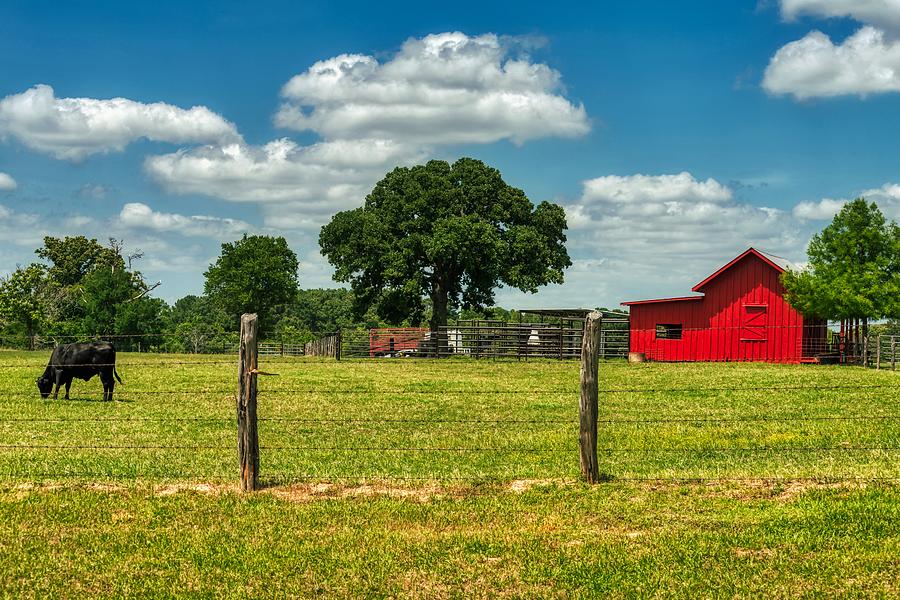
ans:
x=712 y=327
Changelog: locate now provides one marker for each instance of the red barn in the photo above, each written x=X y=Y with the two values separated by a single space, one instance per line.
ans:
x=741 y=315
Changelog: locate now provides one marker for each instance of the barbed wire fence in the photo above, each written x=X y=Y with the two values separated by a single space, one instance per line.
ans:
x=597 y=457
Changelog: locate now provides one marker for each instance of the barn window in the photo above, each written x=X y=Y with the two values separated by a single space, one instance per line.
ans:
x=668 y=331
x=754 y=321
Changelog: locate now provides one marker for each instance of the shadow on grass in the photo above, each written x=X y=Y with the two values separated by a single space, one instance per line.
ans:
x=85 y=399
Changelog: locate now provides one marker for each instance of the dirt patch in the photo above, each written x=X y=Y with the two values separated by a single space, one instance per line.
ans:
x=757 y=489
x=791 y=490
x=199 y=488
x=322 y=491
x=520 y=486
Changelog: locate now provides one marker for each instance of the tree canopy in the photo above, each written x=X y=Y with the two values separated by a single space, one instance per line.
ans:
x=444 y=236
x=854 y=267
x=72 y=258
x=254 y=274
x=23 y=299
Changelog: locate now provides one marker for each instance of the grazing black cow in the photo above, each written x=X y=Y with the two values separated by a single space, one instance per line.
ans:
x=81 y=361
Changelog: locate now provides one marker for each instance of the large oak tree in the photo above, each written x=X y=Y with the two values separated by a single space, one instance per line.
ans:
x=448 y=234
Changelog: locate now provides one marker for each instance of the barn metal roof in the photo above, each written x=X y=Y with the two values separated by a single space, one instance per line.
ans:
x=677 y=299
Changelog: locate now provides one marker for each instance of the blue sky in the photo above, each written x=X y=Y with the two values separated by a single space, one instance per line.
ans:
x=675 y=134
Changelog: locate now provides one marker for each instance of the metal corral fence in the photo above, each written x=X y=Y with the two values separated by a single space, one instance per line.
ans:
x=885 y=354
x=478 y=339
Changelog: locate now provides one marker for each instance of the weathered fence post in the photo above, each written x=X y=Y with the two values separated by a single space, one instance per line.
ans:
x=248 y=437
x=338 y=343
x=865 y=351
x=878 y=352
x=893 y=353
x=588 y=406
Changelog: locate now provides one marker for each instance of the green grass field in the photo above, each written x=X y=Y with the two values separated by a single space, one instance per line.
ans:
x=455 y=478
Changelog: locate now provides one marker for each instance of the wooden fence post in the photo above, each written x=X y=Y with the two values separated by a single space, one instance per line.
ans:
x=893 y=353
x=338 y=343
x=865 y=351
x=588 y=406
x=248 y=436
x=878 y=352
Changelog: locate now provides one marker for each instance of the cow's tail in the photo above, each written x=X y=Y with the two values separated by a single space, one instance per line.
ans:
x=116 y=373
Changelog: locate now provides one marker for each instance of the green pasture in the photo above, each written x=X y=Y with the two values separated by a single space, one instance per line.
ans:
x=452 y=479
x=452 y=420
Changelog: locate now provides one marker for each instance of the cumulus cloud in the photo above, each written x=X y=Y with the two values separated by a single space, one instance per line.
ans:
x=643 y=235
x=443 y=88
x=884 y=13
x=75 y=128
x=7 y=183
x=137 y=215
x=294 y=181
x=372 y=116
x=824 y=209
x=19 y=228
x=865 y=63
x=887 y=197
x=654 y=190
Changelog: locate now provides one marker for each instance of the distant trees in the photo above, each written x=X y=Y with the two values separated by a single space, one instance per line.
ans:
x=444 y=236
x=23 y=301
x=72 y=258
x=86 y=289
x=431 y=241
x=854 y=268
x=254 y=274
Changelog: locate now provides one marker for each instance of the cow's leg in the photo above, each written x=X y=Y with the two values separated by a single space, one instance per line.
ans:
x=107 y=380
x=68 y=385
x=58 y=382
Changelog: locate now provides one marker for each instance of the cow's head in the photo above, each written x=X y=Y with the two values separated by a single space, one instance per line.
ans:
x=45 y=385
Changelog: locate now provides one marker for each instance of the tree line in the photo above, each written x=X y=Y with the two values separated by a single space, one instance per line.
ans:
x=84 y=289
x=431 y=243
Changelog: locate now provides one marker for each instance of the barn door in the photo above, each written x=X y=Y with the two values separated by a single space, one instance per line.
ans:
x=753 y=323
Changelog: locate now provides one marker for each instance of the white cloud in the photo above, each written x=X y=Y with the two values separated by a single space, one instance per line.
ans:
x=137 y=215
x=887 y=197
x=865 y=63
x=658 y=190
x=294 y=182
x=641 y=236
x=370 y=116
x=75 y=128
x=443 y=88
x=824 y=209
x=20 y=228
x=885 y=13
x=7 y=183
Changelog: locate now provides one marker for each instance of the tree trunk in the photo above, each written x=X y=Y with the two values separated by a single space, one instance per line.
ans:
x=438 y=345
